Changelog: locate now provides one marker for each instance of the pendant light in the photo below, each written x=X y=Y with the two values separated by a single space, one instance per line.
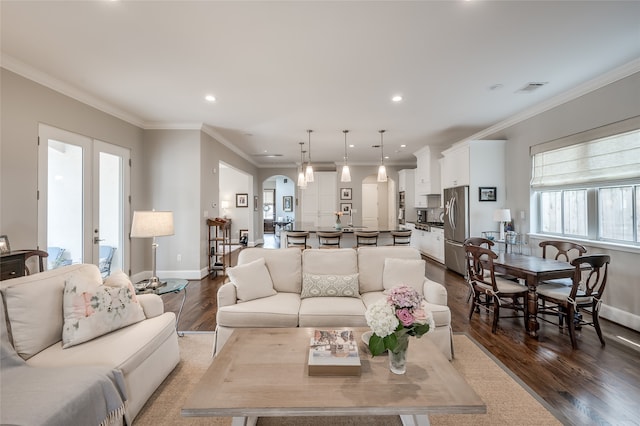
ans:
x=346 y=174
x=309 y=173
x=382 y=171
x=302 y=182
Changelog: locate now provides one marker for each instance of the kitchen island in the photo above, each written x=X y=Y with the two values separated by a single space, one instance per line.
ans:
x=347 y=240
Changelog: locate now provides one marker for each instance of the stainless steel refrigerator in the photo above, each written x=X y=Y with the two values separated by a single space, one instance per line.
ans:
x=456 y=227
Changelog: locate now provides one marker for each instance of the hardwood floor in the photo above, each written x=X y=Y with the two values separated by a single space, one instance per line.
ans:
x=588 y=386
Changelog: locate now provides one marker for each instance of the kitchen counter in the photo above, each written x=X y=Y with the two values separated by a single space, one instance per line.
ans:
x=348 y=238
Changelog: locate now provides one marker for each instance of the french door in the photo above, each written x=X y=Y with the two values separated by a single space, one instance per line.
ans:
x=83 y=207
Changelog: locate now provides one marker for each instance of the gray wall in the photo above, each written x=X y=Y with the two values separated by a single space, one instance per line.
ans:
x=24 y=104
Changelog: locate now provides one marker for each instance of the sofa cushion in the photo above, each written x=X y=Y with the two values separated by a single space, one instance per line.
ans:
x=252 y=280
x=280 y=310
x=317 y=285
x=285 y=266
x=334 y=261
x=332 y=312
x=410 y=272
x=124 y=349
x=34 y=308
x=92 y=309
x=371 y=264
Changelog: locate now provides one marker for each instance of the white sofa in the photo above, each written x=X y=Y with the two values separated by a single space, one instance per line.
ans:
x=142 y=354
x=286 y=308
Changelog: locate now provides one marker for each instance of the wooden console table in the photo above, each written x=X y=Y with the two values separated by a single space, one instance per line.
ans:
x=13 y=264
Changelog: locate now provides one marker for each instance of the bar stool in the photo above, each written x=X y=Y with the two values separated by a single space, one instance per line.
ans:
x=298 y=239
x=401 y=238
x=366 y=238
x=329 y=239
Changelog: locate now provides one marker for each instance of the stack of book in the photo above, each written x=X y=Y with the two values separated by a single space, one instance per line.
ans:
x=334 y=353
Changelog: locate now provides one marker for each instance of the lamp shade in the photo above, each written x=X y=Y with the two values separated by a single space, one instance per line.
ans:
x=502 y=215
x=224 y=204
x=147 y=224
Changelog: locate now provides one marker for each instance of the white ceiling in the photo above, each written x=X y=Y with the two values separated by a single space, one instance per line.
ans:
x=280 y=68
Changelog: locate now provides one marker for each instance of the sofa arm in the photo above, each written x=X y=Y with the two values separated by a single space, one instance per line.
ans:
x=434 y=292
x=152 y=305
x=227 y=295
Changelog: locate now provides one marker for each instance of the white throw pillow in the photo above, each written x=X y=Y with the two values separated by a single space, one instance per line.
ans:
x=316 y=285
x=92 y=309
x=252 y=280
x=410 y=272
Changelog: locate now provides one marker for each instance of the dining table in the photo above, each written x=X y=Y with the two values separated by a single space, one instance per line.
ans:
x=532 y=270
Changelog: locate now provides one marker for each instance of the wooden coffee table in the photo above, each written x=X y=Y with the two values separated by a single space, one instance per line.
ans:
x=262 y=372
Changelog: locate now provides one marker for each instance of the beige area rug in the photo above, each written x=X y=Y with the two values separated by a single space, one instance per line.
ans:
x=509 y=401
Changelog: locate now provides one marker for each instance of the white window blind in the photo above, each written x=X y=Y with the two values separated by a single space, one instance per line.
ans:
x=606 y=159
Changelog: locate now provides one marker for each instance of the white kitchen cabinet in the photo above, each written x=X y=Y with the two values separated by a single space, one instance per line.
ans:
x=455 y=166
x=406 y=183
x=427 y=175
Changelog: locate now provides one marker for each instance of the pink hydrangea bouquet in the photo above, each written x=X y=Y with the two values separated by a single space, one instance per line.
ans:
x=401 y=314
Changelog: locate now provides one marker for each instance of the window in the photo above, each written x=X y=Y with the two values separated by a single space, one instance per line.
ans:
x=589 y=188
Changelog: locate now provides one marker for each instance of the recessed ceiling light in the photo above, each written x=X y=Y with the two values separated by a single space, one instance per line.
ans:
x=396 y=98
x=403 y=146
x=352 y=146
x=210 y=98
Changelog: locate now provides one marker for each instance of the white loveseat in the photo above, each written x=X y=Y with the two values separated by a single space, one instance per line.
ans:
x=377 y=269
x=141 y=354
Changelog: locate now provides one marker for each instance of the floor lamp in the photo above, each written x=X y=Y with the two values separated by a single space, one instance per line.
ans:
x=152 y=224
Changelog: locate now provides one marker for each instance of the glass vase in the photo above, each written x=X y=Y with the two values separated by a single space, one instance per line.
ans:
x=338 y=223
x=398 y=359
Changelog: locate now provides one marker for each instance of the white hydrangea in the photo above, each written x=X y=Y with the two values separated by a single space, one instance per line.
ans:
x=381 y=318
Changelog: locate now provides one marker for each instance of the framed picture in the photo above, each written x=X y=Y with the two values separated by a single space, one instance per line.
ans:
x=255 y=203
x=345 y=208
x=345 y=193
x=4 y=244
x=287 y=203
x=242 y=200
x=243 y=238
x=487 y=193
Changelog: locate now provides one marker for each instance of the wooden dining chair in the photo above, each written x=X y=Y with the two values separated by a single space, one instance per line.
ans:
x=488 y=244
x=499 y=293
x=584 y=295
x=401 y=238
x=566 y=251
x=366 y=238
x=298 y=239
x=329 y=239
x=41 y=254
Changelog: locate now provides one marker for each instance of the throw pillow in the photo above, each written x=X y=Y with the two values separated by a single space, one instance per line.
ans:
x=315 y=285
x=410 y=272
x=252 y=280
x=92 y=309
x=120 y=279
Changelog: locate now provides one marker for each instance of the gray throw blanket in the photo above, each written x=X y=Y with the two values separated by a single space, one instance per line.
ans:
x=56 y=396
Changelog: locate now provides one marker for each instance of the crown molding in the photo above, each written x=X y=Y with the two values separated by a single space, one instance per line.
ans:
x=217 y=136
x=14 y=65
x=582 y=89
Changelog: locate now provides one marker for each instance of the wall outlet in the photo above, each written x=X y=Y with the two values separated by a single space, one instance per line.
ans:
x=179 y=258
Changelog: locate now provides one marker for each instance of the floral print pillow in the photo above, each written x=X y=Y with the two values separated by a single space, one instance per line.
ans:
x=92 y=309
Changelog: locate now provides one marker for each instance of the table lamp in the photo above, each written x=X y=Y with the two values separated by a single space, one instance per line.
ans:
x=152 y=224
x=224 y=204
x=502 y=216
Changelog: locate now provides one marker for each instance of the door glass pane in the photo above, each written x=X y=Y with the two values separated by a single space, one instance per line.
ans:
x=110 y=256
x=64 y=204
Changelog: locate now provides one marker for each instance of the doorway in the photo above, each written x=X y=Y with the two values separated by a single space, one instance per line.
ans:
x=378 y=204
x=83 y=208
